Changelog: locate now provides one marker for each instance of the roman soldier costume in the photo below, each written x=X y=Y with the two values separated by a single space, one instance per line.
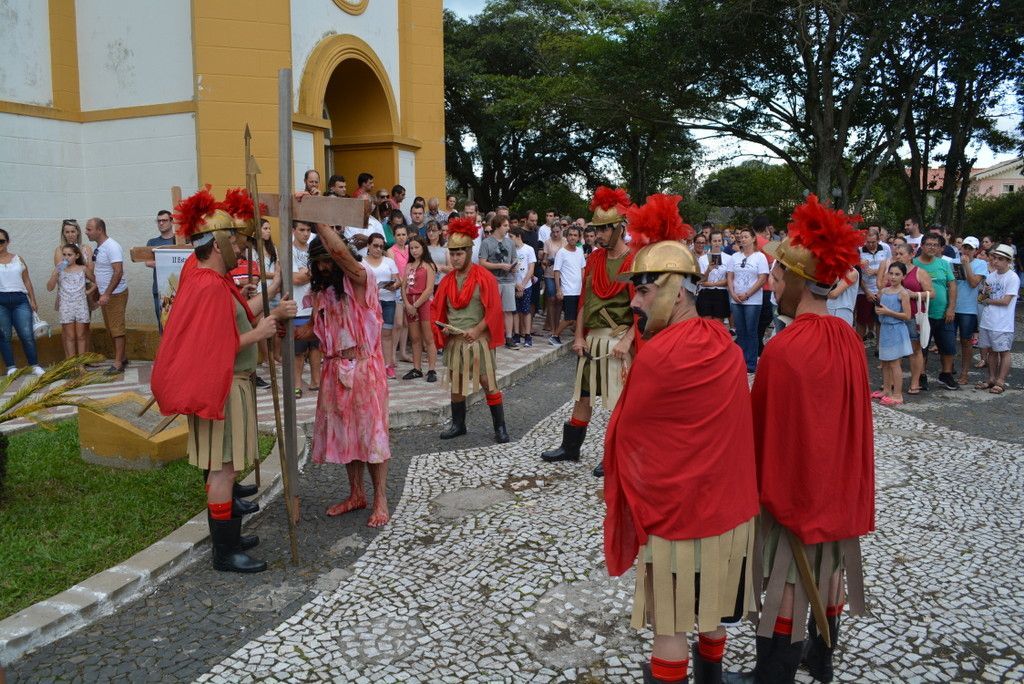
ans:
x=201 y=372
x=463 y=299
x=815 y=454
x=681 y=497
x=605 y=319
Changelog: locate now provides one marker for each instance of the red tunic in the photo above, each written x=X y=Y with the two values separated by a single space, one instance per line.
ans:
x=448 y=292
x=814 y=432
x=679 y=453
x=195 y=362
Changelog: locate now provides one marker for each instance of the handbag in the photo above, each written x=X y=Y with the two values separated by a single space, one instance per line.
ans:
x=924 y=326
x=40 y=328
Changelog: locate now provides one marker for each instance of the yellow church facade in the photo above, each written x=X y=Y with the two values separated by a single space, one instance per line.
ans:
x=106 y=104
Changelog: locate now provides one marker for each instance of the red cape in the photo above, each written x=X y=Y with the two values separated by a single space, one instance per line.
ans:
x=679 y=452
x=601 y=287
x=195 y=362
x=448 y=291
x=814 y=431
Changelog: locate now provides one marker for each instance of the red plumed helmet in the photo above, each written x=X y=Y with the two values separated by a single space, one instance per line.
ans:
x=238 y=203
x=462 y=232
x=829 y=235
x=191 y=213
x=656 y=220
x=607 y=198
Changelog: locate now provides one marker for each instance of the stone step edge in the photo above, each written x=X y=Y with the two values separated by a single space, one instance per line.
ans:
x=101 y=594
x=98 y=596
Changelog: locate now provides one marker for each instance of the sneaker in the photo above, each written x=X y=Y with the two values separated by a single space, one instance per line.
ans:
x=510 y=343
x=413 y=374
x=555 y=341
x=261 y=383
x=37 y=370
x=528 y=341
x=431 y=376
x=113 y=370
x=11 y=371
x=948 y=381
x=390 y=372
x=517 y=339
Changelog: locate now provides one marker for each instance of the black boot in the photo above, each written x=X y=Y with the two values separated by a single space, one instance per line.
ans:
x=245 y=541
x=240 y=490
x=816 y=655
x=498 y=420
x=599 y=470
x=777 y=661
x=572 y=440
x=228 y=555
x=648 y=677
x=458 y=426
x=705 y=671
x=240 y=507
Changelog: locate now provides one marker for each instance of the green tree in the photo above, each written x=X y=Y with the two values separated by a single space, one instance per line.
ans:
x=996 y=216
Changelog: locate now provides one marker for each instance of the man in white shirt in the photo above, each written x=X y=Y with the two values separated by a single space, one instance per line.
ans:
x=526 y=260
x=913 y=233
x=108 y=269
x=544 y=232
x=568 y=270
x=301 y=233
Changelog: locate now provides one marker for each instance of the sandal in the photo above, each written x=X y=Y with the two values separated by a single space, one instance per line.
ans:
x=298 y=393
x=984 y=384
x=889 y=401
x=877 y=394
x=914 y=390
x=997 y=389
x=314 y=389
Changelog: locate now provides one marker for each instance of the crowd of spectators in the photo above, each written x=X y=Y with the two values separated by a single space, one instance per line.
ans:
x=915 y=294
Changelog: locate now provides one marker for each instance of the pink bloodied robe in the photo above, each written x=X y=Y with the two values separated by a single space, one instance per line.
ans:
x=352 y=407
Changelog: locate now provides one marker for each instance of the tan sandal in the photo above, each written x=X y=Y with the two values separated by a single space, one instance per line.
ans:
x=997 y=389
x=984 y=384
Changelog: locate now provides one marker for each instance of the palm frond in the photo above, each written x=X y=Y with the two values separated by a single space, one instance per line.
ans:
x=46 y=393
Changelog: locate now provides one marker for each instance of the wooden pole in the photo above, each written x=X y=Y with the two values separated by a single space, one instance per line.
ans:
x=289 y=458
x=250 y=186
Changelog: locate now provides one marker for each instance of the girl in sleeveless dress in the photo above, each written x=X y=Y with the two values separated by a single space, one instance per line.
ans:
x=893 y=338
x=417 y=290
x=73 y=282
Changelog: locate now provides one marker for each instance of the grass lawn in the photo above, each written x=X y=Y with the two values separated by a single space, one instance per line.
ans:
x=63 y=520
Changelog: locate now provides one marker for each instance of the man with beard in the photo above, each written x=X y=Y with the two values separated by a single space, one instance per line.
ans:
x=604 y=335
x=815 y=453
x=351 y=426
x=467 y=311
x=681 y=500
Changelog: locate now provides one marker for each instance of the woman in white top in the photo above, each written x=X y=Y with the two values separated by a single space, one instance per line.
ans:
x=713 y=297
x=385 y=273
x=438 y=252
x=17 y=303
x=746 y=275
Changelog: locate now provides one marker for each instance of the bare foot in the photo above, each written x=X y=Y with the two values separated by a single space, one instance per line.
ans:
x=380 y=516
x=354 y=502
x=962 y=380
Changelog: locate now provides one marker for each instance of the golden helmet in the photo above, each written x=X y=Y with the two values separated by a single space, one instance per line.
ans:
x=666 y=256
x=797 y=259
x=462 y=232
x=609 y=206
x=604 y=217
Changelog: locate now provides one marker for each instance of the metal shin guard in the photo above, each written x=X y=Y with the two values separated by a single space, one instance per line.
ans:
x=458 y=426
x=817 y=657
x=498 y=420
x=228 y=555
x=704 y=671
x=569 y=450
x=777 y=662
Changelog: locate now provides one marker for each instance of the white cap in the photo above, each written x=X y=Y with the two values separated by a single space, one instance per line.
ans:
x=972 y=242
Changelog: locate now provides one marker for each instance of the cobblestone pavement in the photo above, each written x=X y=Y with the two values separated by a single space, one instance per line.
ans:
x=491 y=570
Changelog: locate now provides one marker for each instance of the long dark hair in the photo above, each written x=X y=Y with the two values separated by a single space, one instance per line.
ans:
x=319 y=281
x=425 y=256
x=79 y=259
x=268 y=245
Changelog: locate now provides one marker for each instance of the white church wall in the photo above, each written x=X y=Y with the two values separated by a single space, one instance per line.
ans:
x=314 y=20
x=302 y=158
x=25 y=70
x=407 y=177
x=134 y=52
x=121 y=171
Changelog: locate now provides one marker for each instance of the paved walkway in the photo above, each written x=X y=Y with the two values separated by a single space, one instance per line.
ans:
x=411 y=402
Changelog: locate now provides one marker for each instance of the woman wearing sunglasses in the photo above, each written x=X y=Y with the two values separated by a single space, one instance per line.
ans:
x=17 y=302
x=748 y=271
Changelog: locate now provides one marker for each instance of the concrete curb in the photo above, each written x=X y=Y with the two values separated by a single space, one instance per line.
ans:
x=104 y=592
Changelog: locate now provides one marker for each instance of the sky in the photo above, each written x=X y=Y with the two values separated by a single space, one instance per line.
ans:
x=729 y=151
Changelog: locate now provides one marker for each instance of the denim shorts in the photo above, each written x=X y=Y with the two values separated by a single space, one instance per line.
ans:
x=915 y=334
x=966 y=324
x=388 y=310
x=523 y=303
x=944 y=335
